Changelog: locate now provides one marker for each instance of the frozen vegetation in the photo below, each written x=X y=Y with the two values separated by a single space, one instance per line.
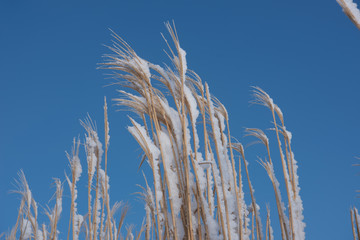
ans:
x=198 y=171
x=351 y=10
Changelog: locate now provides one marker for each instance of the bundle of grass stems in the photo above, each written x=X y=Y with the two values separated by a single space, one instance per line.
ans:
x=198 y=171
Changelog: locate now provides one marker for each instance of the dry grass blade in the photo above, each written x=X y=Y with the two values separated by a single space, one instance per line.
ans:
x=352 y=223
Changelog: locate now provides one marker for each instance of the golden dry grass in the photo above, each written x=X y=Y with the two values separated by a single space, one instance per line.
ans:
x=195 y=190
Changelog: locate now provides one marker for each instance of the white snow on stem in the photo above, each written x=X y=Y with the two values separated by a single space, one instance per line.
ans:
x=104 y=180
x=175 y=120
x=352 y=7
x=26 y=229
x=94 y=150
x=58 y=205
x=172 y=177
x=76 y=167
x=140 y=134
x=212 y=224
x=182 y=56
x=142 y=65
x=298 y=217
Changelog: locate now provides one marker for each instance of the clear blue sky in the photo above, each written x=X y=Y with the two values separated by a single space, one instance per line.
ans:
x=305 y=54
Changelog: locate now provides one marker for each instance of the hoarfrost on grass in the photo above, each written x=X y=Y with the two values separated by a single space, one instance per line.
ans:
x=353 y=8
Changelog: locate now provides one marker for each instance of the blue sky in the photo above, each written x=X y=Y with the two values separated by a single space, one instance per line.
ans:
x=305 y=54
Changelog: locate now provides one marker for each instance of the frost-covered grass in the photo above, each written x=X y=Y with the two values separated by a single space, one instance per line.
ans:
x=351 y=10
x=98 y=222
x=198 y=170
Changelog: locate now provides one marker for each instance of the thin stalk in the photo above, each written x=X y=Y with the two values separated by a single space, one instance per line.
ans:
x=217 y=194
x=96 y=193
x=292 y=169
x=106 y=162
x=252 y=226
x=357 y=223
x=285 y=172
x=278 y=201
x=352 y=223
x=234 y=174
x=251 y=192
x=220 y=167
x=241 y=197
